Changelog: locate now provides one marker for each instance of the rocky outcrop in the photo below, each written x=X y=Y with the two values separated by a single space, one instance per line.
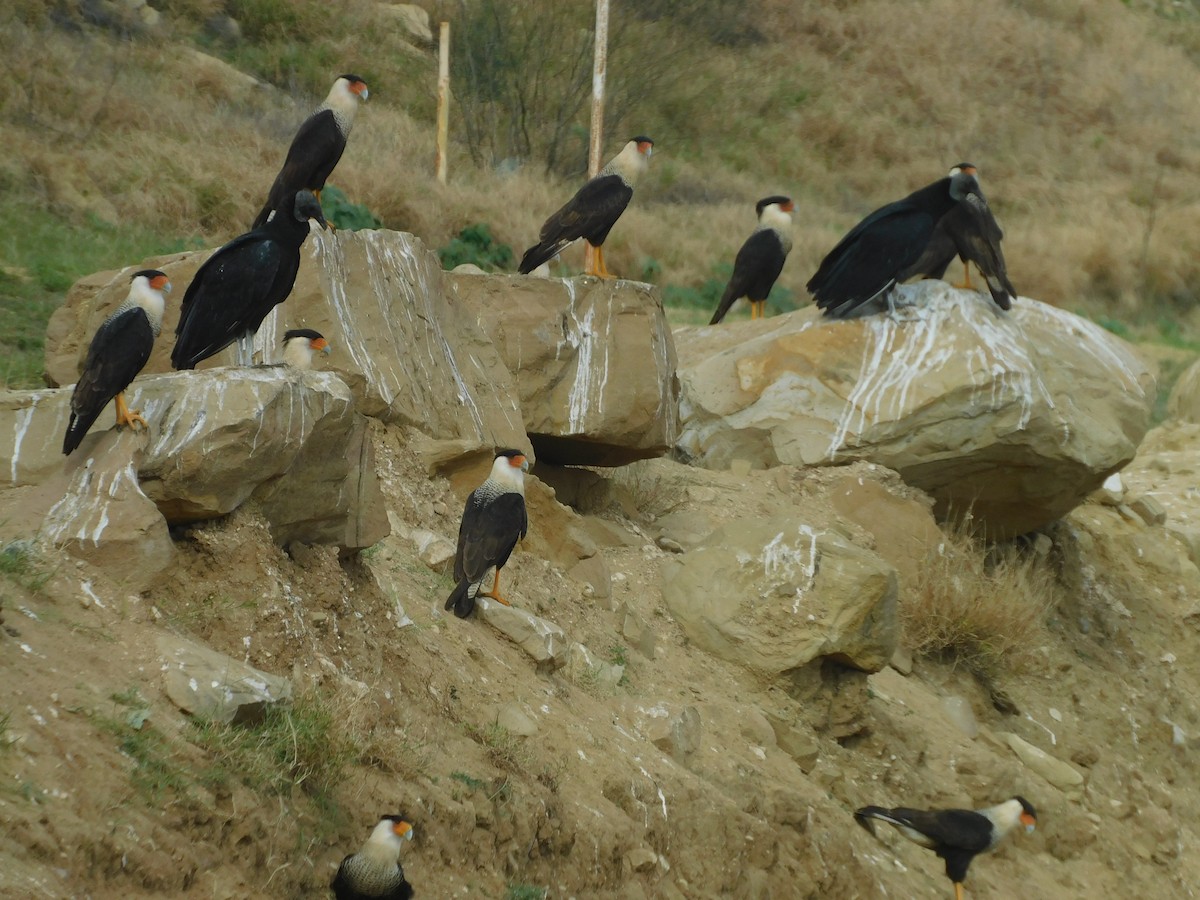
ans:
x=291 y=441
x=1017 y=417
x=593 y=360
x=776 y=594
x=213 y=686
x=1184 y=402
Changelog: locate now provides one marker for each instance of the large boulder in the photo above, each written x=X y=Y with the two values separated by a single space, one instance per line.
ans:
x=292 y=441
x=408 y=354
x=1015 y=416
x=593 y=359
x=775 y=594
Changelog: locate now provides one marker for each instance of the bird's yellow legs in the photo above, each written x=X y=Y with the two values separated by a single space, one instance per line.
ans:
x=127 y=416
x=958 y=891
x=966 y=282
x=758 y=309
x=494 y=593
x=597 y=267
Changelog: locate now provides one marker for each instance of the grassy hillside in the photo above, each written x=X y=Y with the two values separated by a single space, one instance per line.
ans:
x=122 y=143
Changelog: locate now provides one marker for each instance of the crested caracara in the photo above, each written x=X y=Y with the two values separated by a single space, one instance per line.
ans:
x=317 y=146
x=299 y=345
x=956 y=835
x=594 y=209
x=971 y=232
x=761 y=258
x=869 y=261
x=493 y=520
x=241 y=283
x=118 y=351
x=374 y=872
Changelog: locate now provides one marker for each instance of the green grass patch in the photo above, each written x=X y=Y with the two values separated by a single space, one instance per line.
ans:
x=476 y=245
x=43 y=255
x=525 y=892
x=155 y=771
x=20 y=563
x=344 y=213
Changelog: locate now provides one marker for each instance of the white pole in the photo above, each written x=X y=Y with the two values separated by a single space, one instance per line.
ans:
x=599 y=69
x=443 y=110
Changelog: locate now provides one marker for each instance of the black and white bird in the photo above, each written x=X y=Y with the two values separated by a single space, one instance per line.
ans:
x=956 y=835
x=239 y=285
x=118 y=352
x=494 y=519
x=761 y=259
x=594 y=209
x=299 y=345
x=317 y=146
x=374 y=872
x=882 y=249
x=971 y=232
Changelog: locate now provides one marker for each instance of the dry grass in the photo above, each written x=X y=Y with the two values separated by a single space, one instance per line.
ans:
x=984 y=607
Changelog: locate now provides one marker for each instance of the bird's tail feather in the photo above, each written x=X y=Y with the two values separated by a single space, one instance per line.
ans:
x=540 y=253
x=77 y=427
x=867 y=814
x=1002 y=290
x=461 y=599
x=724 y=306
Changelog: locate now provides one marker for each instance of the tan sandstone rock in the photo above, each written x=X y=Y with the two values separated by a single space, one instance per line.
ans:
x=593 y=359
x=775 y=594
x=1184 y=402
x=1016 y=416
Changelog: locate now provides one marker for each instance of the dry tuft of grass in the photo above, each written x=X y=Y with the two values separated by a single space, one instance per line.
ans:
x=983 y=606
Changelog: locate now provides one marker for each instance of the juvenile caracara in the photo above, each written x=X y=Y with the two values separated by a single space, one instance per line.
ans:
x=118 y=351
x=299 y=345
x=881 y=249
x=374 y=872
x=317 y=146
x=956 y=835
x=971 y=232
x=494 y=519
x=761 y=258
x=594 y=209
x=241 y=283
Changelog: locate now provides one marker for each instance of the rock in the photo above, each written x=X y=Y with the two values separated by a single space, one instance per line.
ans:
x=516 y=720
x=959 y=712
x=541 y=639
x=593 y=360
x=224 y=29
x=1148 y=510
x=967 y=404
x=412 y=19
x=583 y=666
x=904 y=530
x=804 y=748
x=641 y=859
x=902 y=660
x=1111 y=492
x=1058 y=773
x=775 y=594
x=594 y=572
x=435 y=551
x=639 y=635
x=409 y=354
x=1184 y=401
x=291 y=441
x=677 y=734
x=210 y=685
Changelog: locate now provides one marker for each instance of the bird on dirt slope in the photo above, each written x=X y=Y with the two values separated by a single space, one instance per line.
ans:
x=594 y=209
x=970 y=231
x=494 y=519
x=317 y=146
x=374 y=872
x=239 y=285
x=761 y=258
x=299 y=345
x=956 y=835
x=871 y=258
x=118 y=352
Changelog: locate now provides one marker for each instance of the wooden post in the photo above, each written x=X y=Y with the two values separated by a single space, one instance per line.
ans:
x=599 y=70
x=443 y=110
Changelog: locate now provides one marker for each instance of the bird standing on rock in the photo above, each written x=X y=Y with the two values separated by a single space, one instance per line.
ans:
x=494 y=519
x=317 y=146
x=299 y=345
x=761 y=259
x=374 y=872
x=118 y=352
x=239 y=285
x=956 y=835
x=594 y=209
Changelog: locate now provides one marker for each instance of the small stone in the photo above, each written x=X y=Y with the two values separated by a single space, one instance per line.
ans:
x=642 y=859
x=902 y=661
x=512 y=718
x=1060 y=774
x=1148 y=510
x=740 y=467
x=1112 y=492
x=959 y=711
x=678 y=735
x=541 y=639
x=669 y=544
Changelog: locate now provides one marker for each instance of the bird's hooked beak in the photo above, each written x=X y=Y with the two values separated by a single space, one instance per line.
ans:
x=322 y=345
x=1028 y=821
x=403 y=830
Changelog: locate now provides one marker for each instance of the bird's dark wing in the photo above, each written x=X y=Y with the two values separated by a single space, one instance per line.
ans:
x=488 y=534
x=224 y=295
x=118 y=352
x=312 y=156
x=958 y=829
x=868 y=260
x=591 y=212
x=977 y=236
x=755 y=270
x=939 y=252
x=340 y=884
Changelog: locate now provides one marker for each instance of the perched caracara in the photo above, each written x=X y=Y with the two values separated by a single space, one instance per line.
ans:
x=593 y=211
x=317 y=146
x=875 y=253
x=494 y=519
x=118 y=351
x=761 y=258
x=970 y=231
x=956 y=835
x=299 y=345
x=374 y=872
x=241 y=283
